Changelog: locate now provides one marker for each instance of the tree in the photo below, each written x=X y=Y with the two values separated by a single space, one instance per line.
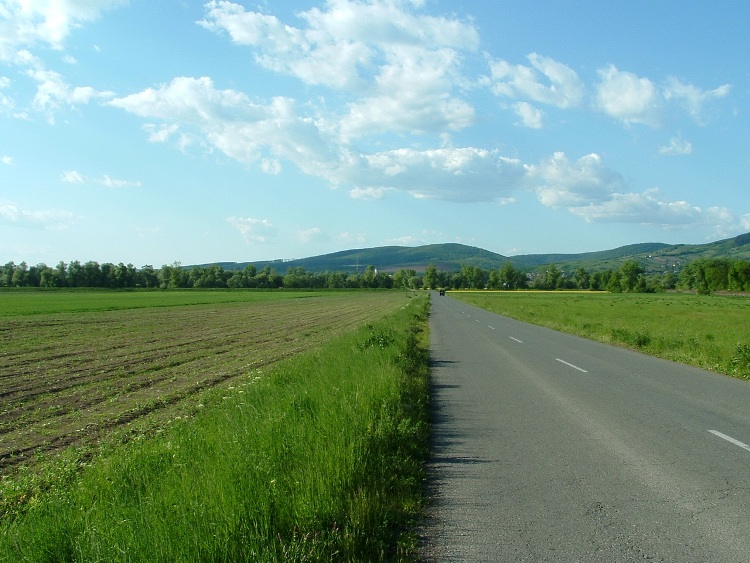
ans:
x=368 y=278
x=614 y=285
x=61 y=274
x=581 y=279
x=20 y=275
x=738 y=277
x=629 y=273
x=430 y=279
x=6 y=274
x=551 y=278
x=149 y=277
x=510 y=277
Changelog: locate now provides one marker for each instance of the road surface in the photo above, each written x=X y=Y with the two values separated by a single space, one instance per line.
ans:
x=549 y=447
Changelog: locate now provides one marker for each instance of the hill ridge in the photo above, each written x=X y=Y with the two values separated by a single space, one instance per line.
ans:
x=451 y=256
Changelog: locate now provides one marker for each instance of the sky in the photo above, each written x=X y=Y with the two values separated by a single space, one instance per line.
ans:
x=160 y=131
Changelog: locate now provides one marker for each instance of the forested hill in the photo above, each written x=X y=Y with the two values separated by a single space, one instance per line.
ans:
x=451 y=256
x=446 y=257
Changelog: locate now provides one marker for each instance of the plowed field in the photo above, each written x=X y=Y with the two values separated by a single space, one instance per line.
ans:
x=71 y=378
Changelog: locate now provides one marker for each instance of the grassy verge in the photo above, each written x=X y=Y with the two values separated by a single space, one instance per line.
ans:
x=318 y=459
x=711 y=332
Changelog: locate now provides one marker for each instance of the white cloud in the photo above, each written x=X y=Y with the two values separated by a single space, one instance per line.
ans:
x=75 y=177
x=546 y=81
x=455 y=174
x=312 y=234
x=251 y=132
x=649 y=208
x=561 y=183
x=160 y=133
x=368 y=193
x=590 y=190
x=402 y=65
x=406 y=240
x=412 y=94
x=530 y=116
x=53 y=93
x=7 y=160
x=633 y=99
x=25 y=22
x=231 y=122
x=351 y=238
x=116 y=183
x=253 y=230
x=48 y=219
x=677 y=146
x=341 y=44
x=270 y=166
x=691 y=97
x=7 y=104
x=625 y=96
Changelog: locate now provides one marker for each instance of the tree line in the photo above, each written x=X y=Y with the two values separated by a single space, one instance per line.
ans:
x=91 y=274
x=704 y=275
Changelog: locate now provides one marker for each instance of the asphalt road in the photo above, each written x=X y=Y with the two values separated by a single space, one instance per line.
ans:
x=549 y=447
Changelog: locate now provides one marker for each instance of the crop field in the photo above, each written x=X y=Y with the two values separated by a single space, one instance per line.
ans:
x=707 y=331
x=76 y=367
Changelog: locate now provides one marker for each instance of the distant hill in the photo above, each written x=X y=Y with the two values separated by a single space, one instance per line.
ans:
x=654 y=257
x=446 y=257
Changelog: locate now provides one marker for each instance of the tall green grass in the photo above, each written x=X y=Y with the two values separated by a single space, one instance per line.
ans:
x=320 y=459
x=708 y=331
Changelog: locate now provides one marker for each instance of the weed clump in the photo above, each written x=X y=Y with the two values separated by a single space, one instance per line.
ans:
x=740 y=362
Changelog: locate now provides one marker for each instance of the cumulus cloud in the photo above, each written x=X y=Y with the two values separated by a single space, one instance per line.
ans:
x=53 y=93
x=412 y=94
x=562 y=183
x=406 y=240
x=633 y=99
x=650 y=208
x=72 y=177
x=312 y=234
x=52 y=219
x=455 y=174
x=403 y=66
x=588 y=189
x=546 y=81
x=234 y=124
x=368 y=193
x=251 y=132
x=6 y=159
x=254 y=231
x=351 y=238
x=75 y=177
x=677 y=147
x=24 y=23
x=530 y=116
x=691 y=97
x=341 y=45
x=628 y=97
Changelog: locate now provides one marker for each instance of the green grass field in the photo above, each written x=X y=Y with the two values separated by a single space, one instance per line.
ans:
x=23 y=302
x=314 y=455
x=710 y=332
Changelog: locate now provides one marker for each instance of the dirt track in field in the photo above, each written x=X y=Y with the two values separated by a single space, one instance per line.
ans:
x=73 y=378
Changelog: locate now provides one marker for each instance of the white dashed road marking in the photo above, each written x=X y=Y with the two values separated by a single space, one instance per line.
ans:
x=730 y=440
x=571 y=365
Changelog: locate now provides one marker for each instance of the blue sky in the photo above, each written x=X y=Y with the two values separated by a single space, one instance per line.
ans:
x=155 y=131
